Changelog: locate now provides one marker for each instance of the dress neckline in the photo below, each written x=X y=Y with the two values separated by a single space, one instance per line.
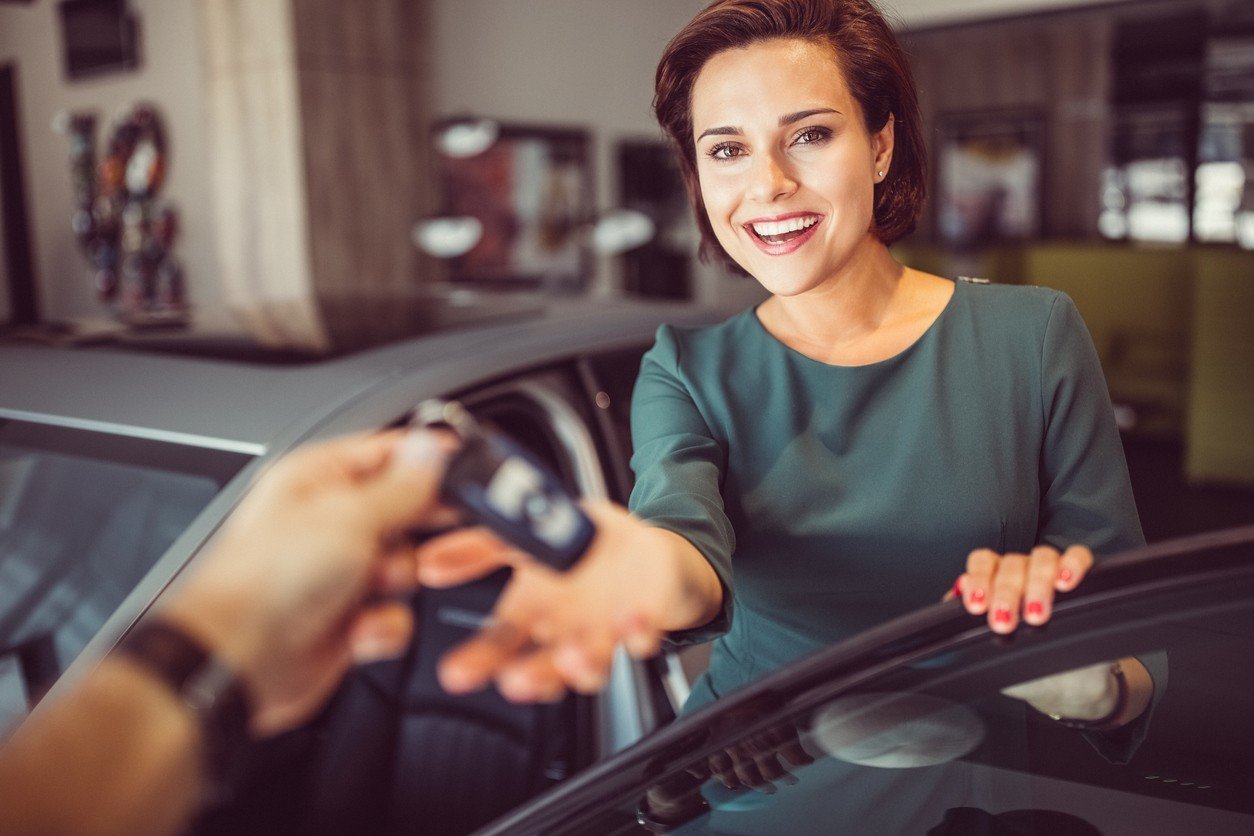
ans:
x=901 y=355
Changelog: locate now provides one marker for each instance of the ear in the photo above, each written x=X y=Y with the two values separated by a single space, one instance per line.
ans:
x=882 y=145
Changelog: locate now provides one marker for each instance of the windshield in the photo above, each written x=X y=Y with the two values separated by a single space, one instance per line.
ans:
x=936 y=746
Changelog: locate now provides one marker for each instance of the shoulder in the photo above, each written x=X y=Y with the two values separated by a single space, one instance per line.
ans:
x=1017 y=303
x=1010 y=311
x=676 y=346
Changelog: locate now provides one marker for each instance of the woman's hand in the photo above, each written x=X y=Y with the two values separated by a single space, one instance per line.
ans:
x=1012 y=586
x=553 y=631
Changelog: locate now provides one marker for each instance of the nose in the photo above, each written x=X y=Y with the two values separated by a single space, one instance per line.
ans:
x=770 y=179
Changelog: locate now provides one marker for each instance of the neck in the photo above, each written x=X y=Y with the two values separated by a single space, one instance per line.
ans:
x=857 y=301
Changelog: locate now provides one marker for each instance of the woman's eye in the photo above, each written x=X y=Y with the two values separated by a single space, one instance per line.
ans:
x=725 y=151
x=812 y=135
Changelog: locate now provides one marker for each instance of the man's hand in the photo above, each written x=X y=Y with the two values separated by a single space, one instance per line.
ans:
x=296 y=588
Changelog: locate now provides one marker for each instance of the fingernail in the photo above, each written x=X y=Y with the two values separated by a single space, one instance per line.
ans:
x=420 y=448
x=1002 y=615
x=977 y=596
x=1035 y=608
x=1065 y=575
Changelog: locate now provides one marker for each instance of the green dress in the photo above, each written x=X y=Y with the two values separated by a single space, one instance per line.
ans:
x=831 y=498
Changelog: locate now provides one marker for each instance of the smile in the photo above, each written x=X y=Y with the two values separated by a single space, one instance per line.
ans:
x=779 y=236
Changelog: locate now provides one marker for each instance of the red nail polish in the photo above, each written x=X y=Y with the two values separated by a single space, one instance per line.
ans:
x=1001 y=615
x=1035 y=608
x=1065 y=575
x=958 y=587
x=977 y=596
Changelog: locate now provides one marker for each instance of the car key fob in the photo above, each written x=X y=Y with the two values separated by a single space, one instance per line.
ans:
x=503 y=487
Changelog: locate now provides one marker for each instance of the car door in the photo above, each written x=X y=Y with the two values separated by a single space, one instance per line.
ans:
x=905 y=729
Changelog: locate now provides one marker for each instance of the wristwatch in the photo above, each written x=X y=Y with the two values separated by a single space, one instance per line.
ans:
x=206 y=684
x=1107 y=723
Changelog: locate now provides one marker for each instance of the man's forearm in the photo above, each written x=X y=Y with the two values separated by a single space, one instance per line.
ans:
x=120 y=754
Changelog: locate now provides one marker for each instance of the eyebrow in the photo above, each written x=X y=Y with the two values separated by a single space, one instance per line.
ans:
x=784 y=121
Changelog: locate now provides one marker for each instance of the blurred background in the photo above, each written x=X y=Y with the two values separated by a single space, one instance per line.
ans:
x=311 y=174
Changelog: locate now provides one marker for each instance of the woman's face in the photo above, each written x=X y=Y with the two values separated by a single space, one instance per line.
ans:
x=786 y=166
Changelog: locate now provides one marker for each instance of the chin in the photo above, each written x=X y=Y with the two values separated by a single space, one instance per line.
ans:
x=781 y=279
x=784 y=287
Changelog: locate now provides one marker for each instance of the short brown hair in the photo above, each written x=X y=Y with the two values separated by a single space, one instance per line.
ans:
x=875 y=68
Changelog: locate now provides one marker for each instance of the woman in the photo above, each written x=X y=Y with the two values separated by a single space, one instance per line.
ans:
x=860 y=439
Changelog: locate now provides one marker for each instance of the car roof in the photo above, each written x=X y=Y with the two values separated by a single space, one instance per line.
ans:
x=248 y=407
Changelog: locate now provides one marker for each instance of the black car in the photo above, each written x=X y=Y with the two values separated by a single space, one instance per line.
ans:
x=904 y=729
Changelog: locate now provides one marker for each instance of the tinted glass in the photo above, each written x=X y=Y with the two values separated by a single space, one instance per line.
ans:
x=937 y=748
x=78 y=530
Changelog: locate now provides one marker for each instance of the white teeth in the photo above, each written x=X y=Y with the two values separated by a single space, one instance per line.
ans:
x=765 y=228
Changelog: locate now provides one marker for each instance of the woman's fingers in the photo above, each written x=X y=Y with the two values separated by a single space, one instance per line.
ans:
x=1016 y=586
x=745 y=768
x=1072 y=567
x=532 y=678
x=722 y=768
x=584 y=660
x=1007 y=593
x=471 y=665
x=1038 y=594
x=978 y=579
x=795 y=753
x=461 y=556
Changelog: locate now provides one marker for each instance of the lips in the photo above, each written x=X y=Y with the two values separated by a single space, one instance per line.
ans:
x=783 y=234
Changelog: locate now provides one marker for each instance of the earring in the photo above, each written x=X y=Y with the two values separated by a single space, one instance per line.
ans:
x=880 y=174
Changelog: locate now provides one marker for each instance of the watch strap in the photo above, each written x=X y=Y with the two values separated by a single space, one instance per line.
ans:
x=206 y=684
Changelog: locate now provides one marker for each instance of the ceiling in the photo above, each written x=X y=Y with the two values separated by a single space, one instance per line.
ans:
x=919 y=13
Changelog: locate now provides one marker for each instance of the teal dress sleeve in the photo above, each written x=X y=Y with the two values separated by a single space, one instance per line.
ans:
x=679 y=470
x=1086 y=496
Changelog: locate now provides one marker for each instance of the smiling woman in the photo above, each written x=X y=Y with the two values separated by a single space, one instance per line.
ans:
x=846 y=34
x=846 y=450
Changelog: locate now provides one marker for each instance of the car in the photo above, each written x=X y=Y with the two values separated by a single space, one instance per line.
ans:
x=118 y=464
x=905 y=728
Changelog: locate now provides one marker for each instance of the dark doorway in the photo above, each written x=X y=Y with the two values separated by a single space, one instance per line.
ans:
x=15 y=234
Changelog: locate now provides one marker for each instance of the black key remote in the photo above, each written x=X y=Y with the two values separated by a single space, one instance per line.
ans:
x=501 y=486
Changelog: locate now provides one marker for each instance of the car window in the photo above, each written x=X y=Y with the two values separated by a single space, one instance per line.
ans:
x=937 y=748
x=83 y=517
